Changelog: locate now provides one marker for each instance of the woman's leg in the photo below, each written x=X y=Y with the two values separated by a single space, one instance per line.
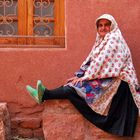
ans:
x=40 y=93
x=66 y=92
x=58 y=93
x=121 y=104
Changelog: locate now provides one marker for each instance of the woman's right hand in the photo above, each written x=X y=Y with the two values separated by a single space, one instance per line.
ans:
x=71 y=79
x=75 y=80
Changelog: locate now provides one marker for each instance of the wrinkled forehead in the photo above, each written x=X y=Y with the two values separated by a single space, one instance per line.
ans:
x=103 y=20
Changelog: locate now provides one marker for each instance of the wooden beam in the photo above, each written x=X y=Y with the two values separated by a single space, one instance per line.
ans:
x=30 y=18
x=22 y=20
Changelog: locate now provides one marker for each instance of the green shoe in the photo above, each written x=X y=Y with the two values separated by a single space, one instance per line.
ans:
x=33 y=93
x=40 y=89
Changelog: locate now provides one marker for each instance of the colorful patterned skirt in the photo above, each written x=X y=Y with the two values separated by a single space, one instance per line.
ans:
x=122 y=115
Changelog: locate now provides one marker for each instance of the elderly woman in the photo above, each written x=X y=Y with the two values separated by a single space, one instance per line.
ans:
x=105 y=89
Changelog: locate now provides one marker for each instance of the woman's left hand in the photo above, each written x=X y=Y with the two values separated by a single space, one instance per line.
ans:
x=76 y=81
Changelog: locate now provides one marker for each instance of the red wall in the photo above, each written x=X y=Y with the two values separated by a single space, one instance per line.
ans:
x=19 y=67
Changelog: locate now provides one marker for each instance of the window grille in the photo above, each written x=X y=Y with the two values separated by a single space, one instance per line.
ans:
x=32 y=23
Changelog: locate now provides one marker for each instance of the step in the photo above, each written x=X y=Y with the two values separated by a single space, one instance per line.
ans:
x=27 y=127
x=5 y=125
x=62 y=121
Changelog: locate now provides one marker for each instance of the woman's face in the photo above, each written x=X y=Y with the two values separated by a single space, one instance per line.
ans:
x=103 y=27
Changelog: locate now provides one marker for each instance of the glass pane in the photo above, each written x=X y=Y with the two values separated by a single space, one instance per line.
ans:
x=1 y=10
x=43 y=17
x=8 y=17
x=11 y=7
x=8 y=7
x=8 y=29
x=43 y=8
x=44 y=29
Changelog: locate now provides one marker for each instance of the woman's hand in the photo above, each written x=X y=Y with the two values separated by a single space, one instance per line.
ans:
x=75 y=80
x=71 y=79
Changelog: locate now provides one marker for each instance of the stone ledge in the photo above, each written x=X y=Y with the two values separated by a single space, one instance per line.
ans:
x=27 y=127
x=5 y=125
x=62 y=121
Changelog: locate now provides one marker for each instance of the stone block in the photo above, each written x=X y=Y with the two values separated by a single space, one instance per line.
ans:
x=38 y=133
x=32 y=123
x=2 y=131
x=5 y=124
x=62 y=121
x=25 y=133
x=63 y=127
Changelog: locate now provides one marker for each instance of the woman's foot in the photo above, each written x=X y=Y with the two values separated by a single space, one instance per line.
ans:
x=36 y=94
x=40 y=89
x=33 y=93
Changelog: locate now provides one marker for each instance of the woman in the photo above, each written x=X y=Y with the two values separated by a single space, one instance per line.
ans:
x=105 y=89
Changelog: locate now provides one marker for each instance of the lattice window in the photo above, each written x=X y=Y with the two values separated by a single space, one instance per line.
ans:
x=32 y=23
x=8 y=17
x=43 y=18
